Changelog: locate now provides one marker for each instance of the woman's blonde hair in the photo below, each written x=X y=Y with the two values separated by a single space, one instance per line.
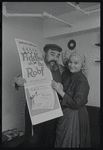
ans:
x=84 y=67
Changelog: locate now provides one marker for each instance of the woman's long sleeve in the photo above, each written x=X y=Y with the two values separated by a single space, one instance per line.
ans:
x=79 y=98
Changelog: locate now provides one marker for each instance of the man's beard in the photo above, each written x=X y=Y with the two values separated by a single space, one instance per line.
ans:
x=53 y=65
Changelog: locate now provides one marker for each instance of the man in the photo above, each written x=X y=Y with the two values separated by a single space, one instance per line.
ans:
x=43 y=133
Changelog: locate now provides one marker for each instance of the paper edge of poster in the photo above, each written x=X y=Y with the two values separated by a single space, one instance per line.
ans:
x=46 y=116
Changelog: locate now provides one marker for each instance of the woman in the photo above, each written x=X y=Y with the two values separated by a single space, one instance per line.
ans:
x=73 y=126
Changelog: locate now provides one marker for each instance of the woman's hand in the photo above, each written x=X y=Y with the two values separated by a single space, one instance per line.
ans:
x=58 y=87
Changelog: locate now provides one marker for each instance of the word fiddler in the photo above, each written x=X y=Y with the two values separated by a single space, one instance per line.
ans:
x=32 y=56
x=33 y=73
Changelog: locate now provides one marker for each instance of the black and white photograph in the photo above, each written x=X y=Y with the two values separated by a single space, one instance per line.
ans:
x=51 y=74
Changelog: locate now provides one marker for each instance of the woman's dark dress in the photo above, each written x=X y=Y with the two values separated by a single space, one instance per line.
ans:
x=73 y=126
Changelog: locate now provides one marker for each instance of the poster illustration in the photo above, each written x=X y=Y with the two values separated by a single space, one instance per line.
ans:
x=41 y=97
x=42 y=100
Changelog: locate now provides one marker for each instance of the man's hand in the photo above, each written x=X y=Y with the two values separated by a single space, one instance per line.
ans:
x=19 y=80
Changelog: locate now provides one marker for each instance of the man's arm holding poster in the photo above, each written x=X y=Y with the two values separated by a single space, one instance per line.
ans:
x=19 y=81
x=42 y=100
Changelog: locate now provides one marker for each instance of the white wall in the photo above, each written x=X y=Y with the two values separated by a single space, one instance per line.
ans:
x=13 y=102
x=31 y=29
x=79 y=22
x=85 y=41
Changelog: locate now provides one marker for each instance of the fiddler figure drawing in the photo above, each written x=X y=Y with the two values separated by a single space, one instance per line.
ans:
x=41 y=98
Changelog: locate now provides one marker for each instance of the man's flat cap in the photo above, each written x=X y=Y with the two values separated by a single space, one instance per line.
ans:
x=52 y=47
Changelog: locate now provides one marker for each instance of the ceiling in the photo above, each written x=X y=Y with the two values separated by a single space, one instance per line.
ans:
x=54 y=8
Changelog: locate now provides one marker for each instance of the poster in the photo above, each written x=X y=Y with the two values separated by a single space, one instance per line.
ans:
x=42 y=100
